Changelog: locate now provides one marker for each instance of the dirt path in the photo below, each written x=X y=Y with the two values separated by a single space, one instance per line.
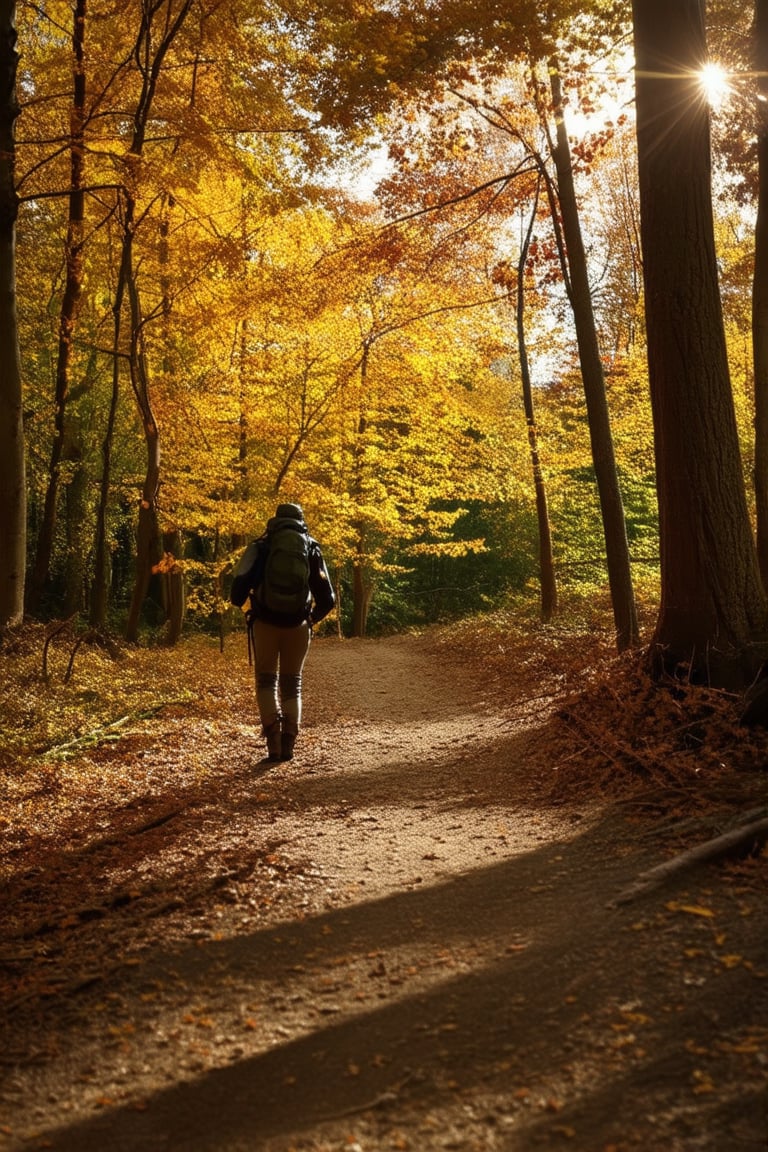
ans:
x=390 y=943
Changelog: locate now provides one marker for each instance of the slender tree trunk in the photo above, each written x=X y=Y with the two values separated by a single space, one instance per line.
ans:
x=362 y=594
x=603 y=457
x=77 y=525
x=73 y=259
x=760 y=292
x=101 y=570
x=147 y=536
x=712 y=618
x=547 y=580
x=362 y=585
x=13 y=517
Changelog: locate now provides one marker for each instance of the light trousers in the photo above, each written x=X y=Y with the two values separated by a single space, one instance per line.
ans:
x=279 y=655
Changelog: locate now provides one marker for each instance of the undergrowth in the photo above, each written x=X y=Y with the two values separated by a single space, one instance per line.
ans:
x=611 y=729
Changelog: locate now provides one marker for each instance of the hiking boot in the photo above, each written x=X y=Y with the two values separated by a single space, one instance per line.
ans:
x=274 y=743
x=287 y=741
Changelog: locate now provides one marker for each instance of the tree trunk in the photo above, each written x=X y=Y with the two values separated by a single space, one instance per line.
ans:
x=601 y=439
x=147 y=536
x=760 y=292
x=73 y=259
x=362 y=594
x=101 y=571
x=13 y=514
x=173 y=586
x=547 y=580
x=713 y=610
x=77 y=522
x=362 y=585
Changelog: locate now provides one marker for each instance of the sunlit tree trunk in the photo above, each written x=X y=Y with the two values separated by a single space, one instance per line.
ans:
x=601 y=438
x=712 y=618
x=12 y=482
x=547 y=580
x=73 y=261
x=760 y=292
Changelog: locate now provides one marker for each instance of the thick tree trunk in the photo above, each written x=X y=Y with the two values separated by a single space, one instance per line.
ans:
x=68 y=316
x=601 y=439
x=713 y=611
x=13 y=516
x=760 y=292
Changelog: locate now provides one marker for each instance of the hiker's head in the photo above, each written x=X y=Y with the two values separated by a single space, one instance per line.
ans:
x=289 y=512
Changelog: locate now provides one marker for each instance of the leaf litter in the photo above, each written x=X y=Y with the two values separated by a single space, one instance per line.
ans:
x=173 y=909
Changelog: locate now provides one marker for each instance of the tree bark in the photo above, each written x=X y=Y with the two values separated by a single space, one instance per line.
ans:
x=760 y=292
x=601 y=439
x=712 y=619
x=13 y=513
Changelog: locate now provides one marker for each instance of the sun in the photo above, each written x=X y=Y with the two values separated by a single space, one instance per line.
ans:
x=713 y=78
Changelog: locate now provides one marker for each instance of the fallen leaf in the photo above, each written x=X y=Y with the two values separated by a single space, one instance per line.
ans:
x=691 y=909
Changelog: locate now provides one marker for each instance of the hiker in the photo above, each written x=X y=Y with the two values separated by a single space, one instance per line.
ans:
x=284 y=578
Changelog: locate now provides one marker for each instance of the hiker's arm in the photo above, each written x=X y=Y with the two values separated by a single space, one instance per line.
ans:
x=321 y=588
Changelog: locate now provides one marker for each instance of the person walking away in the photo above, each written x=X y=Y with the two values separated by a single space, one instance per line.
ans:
x=288 y=591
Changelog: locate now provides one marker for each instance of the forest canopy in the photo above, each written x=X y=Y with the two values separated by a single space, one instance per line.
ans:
x=383 y=260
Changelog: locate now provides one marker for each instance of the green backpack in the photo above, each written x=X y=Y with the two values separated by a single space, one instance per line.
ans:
x=285 y=585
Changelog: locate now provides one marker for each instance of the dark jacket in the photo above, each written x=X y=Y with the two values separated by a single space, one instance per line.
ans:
x=322 y=598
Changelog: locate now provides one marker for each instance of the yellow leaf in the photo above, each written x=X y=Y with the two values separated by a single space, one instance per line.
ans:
x=731 y=961
x=692 y=909
x=636 y=1017
x=703 y=1083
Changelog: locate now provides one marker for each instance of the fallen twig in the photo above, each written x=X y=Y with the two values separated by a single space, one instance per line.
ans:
x=747 y=837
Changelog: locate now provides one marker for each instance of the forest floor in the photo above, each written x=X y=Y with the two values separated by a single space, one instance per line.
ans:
x=421 y=934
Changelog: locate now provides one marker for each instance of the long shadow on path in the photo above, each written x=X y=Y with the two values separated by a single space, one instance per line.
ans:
x=515 y=1018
